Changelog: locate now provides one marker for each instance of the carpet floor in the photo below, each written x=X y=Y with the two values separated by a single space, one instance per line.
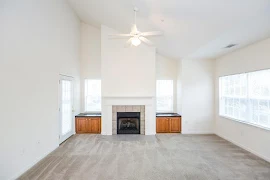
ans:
x=139 y=157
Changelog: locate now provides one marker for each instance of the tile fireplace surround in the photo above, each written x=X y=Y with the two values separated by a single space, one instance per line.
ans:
x=144 y=105
x=130 y=108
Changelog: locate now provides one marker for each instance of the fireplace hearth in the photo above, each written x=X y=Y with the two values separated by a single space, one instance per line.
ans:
x=128 y=122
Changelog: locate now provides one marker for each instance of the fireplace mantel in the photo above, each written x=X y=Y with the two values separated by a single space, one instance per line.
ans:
x=150 y=112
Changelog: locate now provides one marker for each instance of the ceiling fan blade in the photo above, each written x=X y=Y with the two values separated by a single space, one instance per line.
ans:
x=146 y=41
x=113 y=36
x=128 y=43
x=152 y=33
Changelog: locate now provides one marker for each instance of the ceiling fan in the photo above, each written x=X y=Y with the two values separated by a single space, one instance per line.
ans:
x=135 y=36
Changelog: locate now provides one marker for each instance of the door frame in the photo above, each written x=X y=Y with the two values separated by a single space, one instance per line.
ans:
x=69 y=134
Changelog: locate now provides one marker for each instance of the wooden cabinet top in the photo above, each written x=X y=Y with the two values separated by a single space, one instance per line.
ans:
x=89 y=115
x=167 y=115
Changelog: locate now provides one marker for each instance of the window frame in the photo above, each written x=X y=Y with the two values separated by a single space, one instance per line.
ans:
x=89 y=111
x=172 y=105
x=248 y=99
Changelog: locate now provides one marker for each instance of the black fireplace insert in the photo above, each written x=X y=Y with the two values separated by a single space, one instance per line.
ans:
x=128 y=122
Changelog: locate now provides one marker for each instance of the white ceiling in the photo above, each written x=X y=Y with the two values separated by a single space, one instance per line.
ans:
x=192 y=28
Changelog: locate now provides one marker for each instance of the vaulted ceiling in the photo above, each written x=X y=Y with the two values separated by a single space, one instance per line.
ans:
x=192 y=28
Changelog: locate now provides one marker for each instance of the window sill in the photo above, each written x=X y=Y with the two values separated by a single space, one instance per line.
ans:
x=247 y=123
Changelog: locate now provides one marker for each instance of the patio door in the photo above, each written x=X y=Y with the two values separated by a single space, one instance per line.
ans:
x=66 y=108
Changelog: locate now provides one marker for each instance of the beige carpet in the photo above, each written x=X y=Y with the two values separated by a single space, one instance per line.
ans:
x=139 y=157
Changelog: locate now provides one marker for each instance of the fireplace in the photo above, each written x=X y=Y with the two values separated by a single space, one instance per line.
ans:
x=128 y=122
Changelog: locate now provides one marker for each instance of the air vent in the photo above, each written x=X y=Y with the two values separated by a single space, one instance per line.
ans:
x=230 y=45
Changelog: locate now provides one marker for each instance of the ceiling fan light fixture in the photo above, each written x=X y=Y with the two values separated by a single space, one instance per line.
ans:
x=136 y=37
x=136 y=41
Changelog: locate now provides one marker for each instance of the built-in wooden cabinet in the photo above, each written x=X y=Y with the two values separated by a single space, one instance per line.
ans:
x=81 y=125
x=168 y=124
x=163 y=125
x=175 y=124
x=95 y=125
x=88 y=125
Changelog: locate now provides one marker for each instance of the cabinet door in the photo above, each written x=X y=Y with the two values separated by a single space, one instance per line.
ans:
x=175 y=124
x=94 y=125
x=81 y=125
x=163 y=125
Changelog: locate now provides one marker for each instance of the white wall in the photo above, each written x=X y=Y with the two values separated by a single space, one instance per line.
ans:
x=126 y=71
x=251 y=58
x=179 y=87
x=197 y=96
x=166 y=69
x=90 y=56
x=39 y=41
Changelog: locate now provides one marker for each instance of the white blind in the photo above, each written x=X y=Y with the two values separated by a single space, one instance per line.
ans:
x=92 y=95
x=246 y=97
x=164 y=95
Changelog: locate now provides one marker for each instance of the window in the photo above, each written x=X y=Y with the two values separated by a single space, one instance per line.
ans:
x=164 y=95
x=92 y=95
x=246 y=97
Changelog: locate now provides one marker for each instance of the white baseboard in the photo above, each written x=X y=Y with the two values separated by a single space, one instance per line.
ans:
x=245 y=148
x=17 y=175
x=197 y=132
x=107 y=134
x=150 y=133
